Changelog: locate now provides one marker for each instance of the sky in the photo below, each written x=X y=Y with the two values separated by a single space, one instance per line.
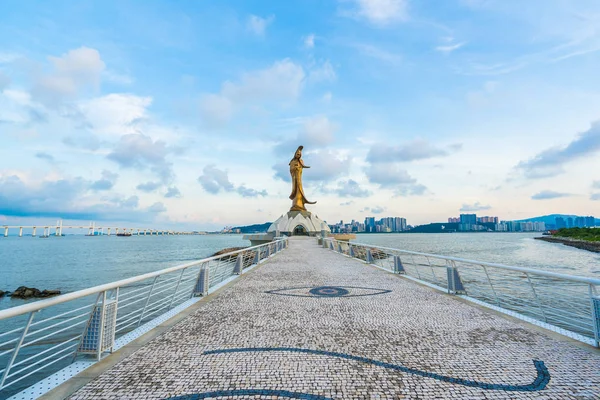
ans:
x=164 y=114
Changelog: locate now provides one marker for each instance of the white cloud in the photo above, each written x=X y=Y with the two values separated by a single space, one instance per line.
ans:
x=549 y=194
x=317 y=132
x=7 y=58
x=391 y=176
x=258 y=25
x=4 y=81
x=115 y=114
x=418 y=149
x=324 y=72
x=477 y=206
x=309 y=41
x=381 y=12
x=282 y=82
x=72 y=72
x=139 y=151
x=157 y=207
x=118 y=78
x=550 y=162
x=216 y=109
x=215 y=180
x=351 y=188
x=449 y=48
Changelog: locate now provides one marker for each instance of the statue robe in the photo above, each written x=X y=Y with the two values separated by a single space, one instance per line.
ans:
x=297 y=196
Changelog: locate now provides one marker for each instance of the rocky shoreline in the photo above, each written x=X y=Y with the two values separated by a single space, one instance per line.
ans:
x=24 y=292
x=580 y=244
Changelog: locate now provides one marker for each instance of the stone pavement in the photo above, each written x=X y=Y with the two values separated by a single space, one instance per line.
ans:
x=313 y=324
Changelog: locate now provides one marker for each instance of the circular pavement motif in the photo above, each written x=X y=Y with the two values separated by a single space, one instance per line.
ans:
x=329 y=291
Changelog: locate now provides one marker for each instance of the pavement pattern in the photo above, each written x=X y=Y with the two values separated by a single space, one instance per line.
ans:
x=313 y=324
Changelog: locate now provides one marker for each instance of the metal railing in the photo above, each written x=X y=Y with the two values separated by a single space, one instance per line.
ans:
x=40 y=338
x=570 y=303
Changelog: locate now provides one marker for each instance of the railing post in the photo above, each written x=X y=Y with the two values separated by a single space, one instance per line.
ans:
x=398 y=267
x=331 y=245
x=268 y=250
x=325 y=245
x=257 y=256
x=239 y=264
x=351 y=250
x=369 y=257
x=147 y=301
x=17 y=348
x=176 y=288
x=201 y=288
x=339 y=247
x=432 y=270
x=455 y=285
x=99 y=333
x=595 y=300
x=537 y=299
x=491 y=285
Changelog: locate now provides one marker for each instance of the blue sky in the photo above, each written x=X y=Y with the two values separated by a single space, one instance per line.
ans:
x=185 y=114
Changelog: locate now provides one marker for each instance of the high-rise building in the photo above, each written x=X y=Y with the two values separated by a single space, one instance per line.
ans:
x=469 y=219
x=560 y=222
x=569 y=222
x=400 y=224
x=590 y=221
x=370 y=224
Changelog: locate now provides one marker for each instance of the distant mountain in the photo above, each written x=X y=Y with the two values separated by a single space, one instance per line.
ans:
x=256 y=228
x=551 y=219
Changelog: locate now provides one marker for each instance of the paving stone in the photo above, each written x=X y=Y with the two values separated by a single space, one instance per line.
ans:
x=313 y=323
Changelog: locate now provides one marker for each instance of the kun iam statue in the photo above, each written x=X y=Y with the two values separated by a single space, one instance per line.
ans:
x=297 y=221
x=298 y=198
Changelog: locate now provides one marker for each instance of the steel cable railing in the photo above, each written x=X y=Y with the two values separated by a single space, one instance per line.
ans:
x=87 y=322
x=566 y=302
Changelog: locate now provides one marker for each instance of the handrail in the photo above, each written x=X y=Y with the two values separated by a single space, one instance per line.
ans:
x=573 y=278
x=41 y=304
x=568 y=304
x=109 y=319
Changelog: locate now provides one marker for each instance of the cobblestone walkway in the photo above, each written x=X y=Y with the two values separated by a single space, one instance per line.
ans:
x=313 y=324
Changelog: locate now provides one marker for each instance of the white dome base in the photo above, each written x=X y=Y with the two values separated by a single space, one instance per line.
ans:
x=287 y=223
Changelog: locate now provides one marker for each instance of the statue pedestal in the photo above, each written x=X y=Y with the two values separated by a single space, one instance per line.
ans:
x=293 y=223
x=299 y=223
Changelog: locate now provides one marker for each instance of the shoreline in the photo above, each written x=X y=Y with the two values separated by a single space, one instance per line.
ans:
x=580 y=244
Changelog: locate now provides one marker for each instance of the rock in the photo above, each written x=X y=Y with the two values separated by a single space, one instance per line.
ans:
x=580 y=244
x=248 y=256
x=2 y=293
x=24 y=292
x=227 y=250
x=50 y=293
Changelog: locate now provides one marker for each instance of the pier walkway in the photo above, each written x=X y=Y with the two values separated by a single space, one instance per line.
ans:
x=313 y=324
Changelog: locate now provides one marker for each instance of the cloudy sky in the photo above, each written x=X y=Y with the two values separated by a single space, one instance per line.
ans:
x=186 y=114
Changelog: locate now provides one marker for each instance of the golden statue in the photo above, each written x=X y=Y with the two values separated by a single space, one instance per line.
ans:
x=297 y=196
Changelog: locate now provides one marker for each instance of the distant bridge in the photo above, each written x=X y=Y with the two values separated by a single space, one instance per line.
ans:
x=93 y=230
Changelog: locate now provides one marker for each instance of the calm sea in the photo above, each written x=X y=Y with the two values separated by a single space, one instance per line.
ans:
x=76 y=262
x=71 y=263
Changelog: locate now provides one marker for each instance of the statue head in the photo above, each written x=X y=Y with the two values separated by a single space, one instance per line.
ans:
x=298 y=153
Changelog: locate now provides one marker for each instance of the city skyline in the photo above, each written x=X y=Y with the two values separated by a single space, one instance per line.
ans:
x=184 y=114
x=463 y=223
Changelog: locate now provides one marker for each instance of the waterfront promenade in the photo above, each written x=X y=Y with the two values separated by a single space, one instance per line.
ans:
x=313 y=323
